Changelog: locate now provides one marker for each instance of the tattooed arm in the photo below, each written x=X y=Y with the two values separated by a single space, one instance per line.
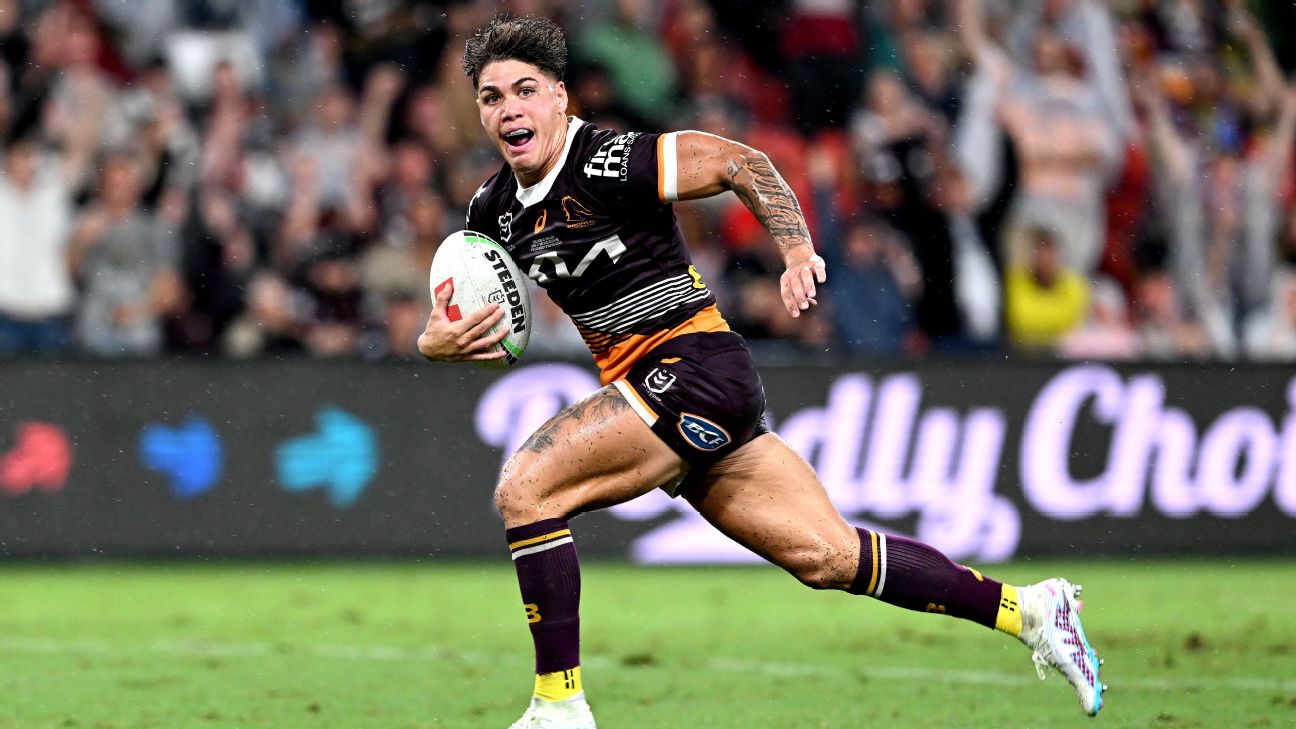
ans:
x=708 y=165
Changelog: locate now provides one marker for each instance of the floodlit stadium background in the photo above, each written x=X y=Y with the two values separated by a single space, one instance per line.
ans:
x=216 y=220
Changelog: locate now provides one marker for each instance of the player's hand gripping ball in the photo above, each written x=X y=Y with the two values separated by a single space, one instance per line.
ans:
x=479 y=272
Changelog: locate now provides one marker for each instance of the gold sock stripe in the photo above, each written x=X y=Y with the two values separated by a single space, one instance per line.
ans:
x=558 y=685
x=1009 y=618
x=536 y=540
x=873 y=549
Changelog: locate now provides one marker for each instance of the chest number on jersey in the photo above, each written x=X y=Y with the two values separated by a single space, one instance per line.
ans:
x=613 y=245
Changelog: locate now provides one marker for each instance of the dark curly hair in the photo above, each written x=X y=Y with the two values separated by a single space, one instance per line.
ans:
x=536 y=41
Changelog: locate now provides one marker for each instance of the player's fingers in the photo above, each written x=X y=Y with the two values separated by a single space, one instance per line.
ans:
x=495 y=338
x=820 y=269
x=789 y=298
x=490 y=312
x=490 y=355
x=807 y=276
x=483 y=325
x=441 y=299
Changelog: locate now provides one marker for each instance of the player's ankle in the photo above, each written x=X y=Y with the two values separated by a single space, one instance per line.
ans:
x=559 y=686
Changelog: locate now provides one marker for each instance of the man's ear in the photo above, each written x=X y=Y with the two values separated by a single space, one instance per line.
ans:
x=560 y=97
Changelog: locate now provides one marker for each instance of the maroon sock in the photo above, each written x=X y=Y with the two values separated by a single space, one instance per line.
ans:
x=549 y=575
x=912 y=575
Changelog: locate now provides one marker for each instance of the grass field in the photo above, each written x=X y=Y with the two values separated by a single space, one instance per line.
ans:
x=404 y=646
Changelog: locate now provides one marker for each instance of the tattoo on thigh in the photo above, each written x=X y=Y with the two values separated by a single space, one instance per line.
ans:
x=602 y=404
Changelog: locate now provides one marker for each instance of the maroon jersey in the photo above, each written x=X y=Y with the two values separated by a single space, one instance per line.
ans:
x=599 y=235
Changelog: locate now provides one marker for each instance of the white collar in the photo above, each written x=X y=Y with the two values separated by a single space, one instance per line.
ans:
x=529 y=196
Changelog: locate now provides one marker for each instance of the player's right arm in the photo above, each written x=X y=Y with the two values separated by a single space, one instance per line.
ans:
x=466 y=340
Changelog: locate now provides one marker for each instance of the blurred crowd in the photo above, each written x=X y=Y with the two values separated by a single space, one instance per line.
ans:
x=1064 y=178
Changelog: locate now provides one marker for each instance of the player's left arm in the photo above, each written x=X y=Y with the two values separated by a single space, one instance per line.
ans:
x=708 y=165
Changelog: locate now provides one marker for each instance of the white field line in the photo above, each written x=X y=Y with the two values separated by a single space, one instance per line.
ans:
x=380 y=653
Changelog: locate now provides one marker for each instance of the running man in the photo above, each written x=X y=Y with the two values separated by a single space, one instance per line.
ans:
x=586 y=212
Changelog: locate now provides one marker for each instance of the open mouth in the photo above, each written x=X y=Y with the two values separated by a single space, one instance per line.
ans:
x=518 y=137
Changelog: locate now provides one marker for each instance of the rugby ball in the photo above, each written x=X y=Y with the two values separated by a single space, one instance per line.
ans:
x=479 y=272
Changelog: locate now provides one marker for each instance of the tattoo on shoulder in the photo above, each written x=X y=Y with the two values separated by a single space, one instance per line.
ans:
x=602 y=404
x=767 y=195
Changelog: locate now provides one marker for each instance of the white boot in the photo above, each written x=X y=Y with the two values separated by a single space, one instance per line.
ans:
x=573 y=713
x=1051 y=628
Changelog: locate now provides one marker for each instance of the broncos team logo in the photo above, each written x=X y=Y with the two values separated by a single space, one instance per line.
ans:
x=578 y=216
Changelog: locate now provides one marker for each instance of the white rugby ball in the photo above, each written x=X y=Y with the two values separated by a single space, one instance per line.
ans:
x=479 y=272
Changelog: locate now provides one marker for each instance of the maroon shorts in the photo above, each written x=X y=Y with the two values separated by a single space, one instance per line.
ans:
x=700 y=393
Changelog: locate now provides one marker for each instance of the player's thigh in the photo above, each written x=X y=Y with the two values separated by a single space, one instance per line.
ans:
x=767 y=498
x=595 y=453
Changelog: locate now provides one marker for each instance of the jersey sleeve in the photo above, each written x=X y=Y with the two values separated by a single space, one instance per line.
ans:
x=632 y=168
x=473 y=218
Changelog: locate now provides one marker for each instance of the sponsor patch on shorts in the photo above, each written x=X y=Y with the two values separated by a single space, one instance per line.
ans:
x=702 y=433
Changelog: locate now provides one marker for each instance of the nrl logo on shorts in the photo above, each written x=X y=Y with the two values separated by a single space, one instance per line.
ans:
x=702 y=433
x=659 y=381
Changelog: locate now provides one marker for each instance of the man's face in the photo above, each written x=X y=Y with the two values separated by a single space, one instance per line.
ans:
x=524 y=113
x=20 y=163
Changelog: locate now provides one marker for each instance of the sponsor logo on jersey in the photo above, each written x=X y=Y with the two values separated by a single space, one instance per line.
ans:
x=540 y=221
x=511 y=297
x=659 y=380
x=612 y=245
x=506 y=226
x=578 y=216
x=702 y=433
x=612 y=158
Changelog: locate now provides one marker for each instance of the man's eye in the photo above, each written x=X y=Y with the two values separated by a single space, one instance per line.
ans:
x=490 y=99
x=526 y=92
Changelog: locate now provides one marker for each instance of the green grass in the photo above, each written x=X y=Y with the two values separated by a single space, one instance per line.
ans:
x=405 y=646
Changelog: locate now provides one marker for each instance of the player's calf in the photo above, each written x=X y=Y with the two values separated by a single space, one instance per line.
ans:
x=915 y=576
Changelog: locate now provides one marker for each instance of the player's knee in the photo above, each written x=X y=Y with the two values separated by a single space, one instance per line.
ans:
x=516 y=497
x=511 y=501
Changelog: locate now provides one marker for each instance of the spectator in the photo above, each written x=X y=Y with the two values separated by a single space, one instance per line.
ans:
x=627 y=45
x=1167 y=331
x=295 y=167
x=36 y=294
x=1107 y=334
x=876 y=280
x=821 y=45
x=1270 y=334
x=126 y=265
x=331 y=144
x=875 y=284
x=1044 y=299
x=270 y=325
x=1087 y=27
x=1066 y=145
x=901 y=146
